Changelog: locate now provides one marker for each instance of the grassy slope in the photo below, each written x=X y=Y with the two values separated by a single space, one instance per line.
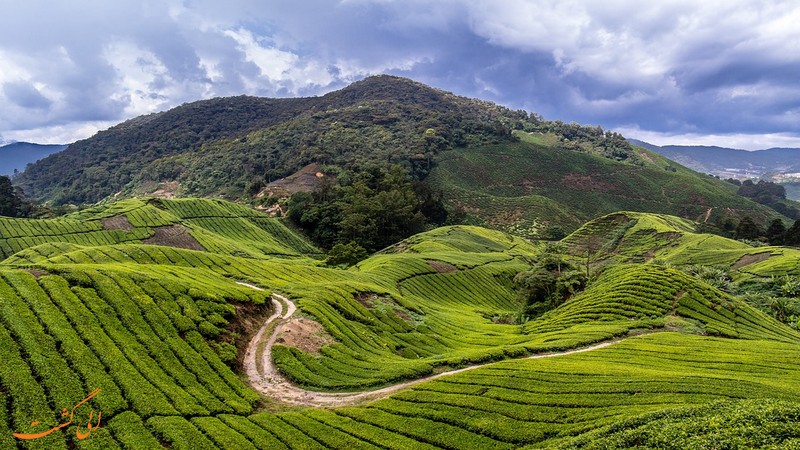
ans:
x=530 y=184
x=640 y=237
x=143 y=322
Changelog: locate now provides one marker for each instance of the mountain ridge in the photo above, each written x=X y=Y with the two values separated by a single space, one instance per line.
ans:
x=114 y=157
x=15 y=156
x=234 y=147
x=706 y=158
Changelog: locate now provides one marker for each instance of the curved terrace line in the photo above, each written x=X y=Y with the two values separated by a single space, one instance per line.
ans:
x=264 y=376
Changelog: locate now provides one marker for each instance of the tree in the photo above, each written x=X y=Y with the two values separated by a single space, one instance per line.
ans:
x=346 y=254
x=747 y=229
x=378 y=208
x=551 y=281
x=775 y=232
x=593 y=245
x=792 y=236
x=10 y=201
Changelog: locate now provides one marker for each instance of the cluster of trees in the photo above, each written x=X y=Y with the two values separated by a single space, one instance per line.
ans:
x=776 y=232
x=551 y=281
x=370 y=210
x=590 y=139
x=12 y=200
x=767 y=193
x=778 y=296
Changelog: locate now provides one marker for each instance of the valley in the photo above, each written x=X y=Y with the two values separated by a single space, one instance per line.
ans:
x=389 y=225
x=393 y=267
x=424 y=349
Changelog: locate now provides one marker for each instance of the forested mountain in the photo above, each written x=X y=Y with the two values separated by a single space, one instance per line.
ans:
x=222 y=145
x=462 y=160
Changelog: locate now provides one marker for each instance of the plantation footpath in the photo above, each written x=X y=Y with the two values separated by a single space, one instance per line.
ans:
x=165 y=306
x=265 y=377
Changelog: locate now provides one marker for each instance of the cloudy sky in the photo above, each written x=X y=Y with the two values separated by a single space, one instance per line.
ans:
x=724 y=72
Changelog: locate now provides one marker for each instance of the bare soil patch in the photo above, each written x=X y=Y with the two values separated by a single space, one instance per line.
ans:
x=174 y=236
x=441 y=266
x=751 y=259
x=37 y=272
x=306 y=179
x=367 y=299
x=507 y=217
x=117 y=223
x=304 y=334
x=166 y=189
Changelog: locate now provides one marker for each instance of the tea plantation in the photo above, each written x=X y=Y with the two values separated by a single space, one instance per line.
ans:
x=153 y=302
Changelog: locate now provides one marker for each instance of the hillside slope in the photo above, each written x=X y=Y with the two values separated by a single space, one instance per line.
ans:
x=544 y=174
x=529 y=186
x=227 y=144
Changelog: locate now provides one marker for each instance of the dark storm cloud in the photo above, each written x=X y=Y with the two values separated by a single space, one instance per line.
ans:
x=674 y=68
x=25 y=95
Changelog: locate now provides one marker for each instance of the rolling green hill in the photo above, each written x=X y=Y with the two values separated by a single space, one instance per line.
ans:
x=526 y=187
x=161 y=329
x=637 y=237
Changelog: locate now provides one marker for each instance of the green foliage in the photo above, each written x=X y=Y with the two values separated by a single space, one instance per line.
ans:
x=770 y=194
x=775 y=232
x=747 y=229
x=156 y=328
x=346 y=254
x=717 y=277
x=11 y=202
x=534 y=182
x=792 y=236
x=763 y=423
x=230 y=145
x=378 y=209
x=582 y=138
x=550 y=282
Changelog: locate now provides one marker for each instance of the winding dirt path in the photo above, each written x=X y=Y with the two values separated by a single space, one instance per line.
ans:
x=265 y=377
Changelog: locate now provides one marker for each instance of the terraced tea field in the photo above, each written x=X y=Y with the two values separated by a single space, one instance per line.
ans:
x=167 y=331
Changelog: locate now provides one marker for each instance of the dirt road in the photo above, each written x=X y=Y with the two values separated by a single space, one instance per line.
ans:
x=265 y=377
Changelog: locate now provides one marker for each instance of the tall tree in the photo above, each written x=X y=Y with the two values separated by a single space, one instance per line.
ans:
x=10 y=202
x=775 y=232
x=792 y=236
x=747 y=229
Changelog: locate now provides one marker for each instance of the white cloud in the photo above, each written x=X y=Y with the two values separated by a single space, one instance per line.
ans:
x=138 y=72
x=706 y=67
x=58 y=134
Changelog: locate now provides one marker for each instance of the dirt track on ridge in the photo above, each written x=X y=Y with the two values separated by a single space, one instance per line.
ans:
x=265 y=377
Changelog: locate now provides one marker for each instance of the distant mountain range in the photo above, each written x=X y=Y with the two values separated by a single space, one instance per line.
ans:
x=731 y=163
x=780 y=165
x=17 y=155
